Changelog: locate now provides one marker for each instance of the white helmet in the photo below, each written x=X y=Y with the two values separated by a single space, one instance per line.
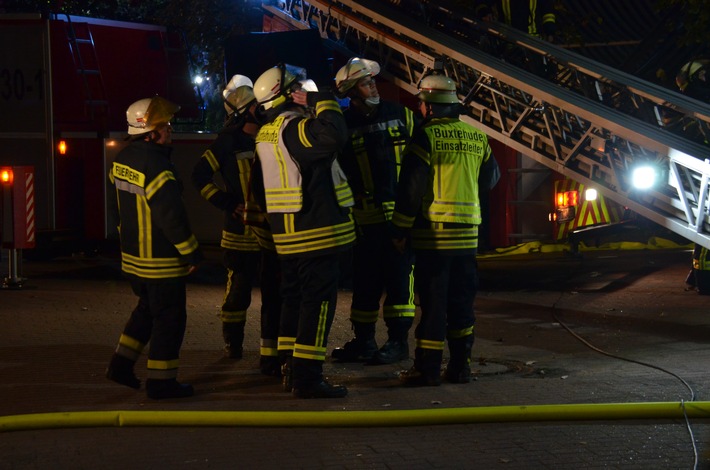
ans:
x=271 y=86
x=147 y=114
x=308 y=85
x=238 y=94
x=690 y=72
x=437 y=89
x=349 y=74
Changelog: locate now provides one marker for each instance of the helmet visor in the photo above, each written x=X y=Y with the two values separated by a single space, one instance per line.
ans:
x=160 y=111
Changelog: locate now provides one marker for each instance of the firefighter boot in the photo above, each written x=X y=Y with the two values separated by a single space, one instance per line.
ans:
x=397 y=347
x=458 y=370
x=159 y=389
x=120 y=370
x=321 y=389
x=233 y=334
x=426 y=370
x=359 y=349
x=270 y=365
x=287 y=373
x=308 y=381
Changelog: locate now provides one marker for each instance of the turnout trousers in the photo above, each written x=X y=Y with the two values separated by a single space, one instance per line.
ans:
x=159 y=318
x=447 y=286
x=378 y=267
x=242 y=269
x=309 y=290
x=246 y=269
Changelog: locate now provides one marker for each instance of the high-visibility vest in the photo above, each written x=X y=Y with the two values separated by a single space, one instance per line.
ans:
x=457 y=152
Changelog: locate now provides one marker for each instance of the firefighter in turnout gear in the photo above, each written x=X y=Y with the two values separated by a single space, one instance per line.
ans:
x=378 y=131
x=307 y=200
x=535 y=17
x=693 y=79
x=699 y=276
x=231 y=156
x=158 y=250
x=438 y=211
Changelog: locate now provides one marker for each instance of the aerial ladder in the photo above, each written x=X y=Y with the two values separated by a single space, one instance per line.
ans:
x=587 y=121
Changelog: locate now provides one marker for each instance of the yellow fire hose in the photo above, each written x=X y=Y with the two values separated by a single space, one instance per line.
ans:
x=485 y=414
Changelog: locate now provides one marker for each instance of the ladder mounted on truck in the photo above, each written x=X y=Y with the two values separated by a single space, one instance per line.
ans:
x=83 y=51
x=580 y=118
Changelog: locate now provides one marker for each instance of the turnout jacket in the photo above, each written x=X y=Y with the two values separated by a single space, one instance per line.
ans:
x=231 y=156
x=373 y=156
x=156 y=239
x=443 y=169
x=299 y=182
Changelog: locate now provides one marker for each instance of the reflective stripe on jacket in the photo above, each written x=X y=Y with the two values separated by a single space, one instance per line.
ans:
x=156 y=239
x=438 y=195
x=305 y=192
x=231 y=156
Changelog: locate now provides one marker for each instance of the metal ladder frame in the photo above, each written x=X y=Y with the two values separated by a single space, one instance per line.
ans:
x=553 y=121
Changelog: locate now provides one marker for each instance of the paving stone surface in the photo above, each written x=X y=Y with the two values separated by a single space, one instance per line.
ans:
x=606 y=328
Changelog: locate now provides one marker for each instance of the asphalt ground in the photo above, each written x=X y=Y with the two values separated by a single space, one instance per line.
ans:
x=593 y=341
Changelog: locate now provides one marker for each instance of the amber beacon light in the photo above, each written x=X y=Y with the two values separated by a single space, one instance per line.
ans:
x=6 y=176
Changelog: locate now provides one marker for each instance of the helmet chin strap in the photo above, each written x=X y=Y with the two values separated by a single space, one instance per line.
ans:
x=366 y=106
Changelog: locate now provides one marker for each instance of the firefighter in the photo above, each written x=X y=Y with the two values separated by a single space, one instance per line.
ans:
x=693 y=79
x=438 y=211
x=231 y=156
x=307 y=201
x=158 y=250
x=378 y=133
x=699 y=276
x=535 y=17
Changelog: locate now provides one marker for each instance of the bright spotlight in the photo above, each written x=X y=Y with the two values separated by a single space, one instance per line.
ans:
x=643 y=177
x=590 y=194
x=198 y=79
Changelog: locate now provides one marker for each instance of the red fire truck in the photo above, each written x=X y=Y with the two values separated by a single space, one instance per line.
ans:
x=65 y=83
x=578 y=206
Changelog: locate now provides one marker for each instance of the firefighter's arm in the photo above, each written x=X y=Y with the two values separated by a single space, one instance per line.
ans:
x=411 y=121
x=169 y=215
x=489 y=173
x=254 y=214
x=413 y=183
x=203 y=177
x=349 y=164
x=327 y=132
x=112 y=202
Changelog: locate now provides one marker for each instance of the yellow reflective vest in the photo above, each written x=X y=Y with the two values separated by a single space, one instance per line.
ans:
x=438 y=194
x=304 y=191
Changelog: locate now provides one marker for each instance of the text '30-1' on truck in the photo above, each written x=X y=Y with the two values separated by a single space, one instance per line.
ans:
x=65 y=85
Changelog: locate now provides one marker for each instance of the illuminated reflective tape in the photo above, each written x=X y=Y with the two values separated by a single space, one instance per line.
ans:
x=30 y=208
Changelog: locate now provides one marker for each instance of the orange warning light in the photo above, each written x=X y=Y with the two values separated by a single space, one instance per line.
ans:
x=6 y=176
